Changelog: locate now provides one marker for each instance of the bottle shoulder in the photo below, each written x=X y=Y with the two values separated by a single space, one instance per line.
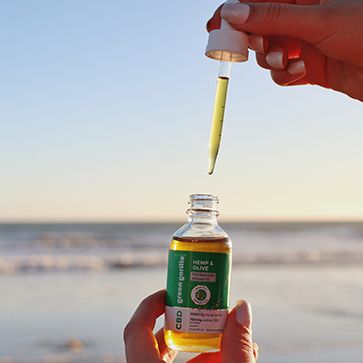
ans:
x=201 y=238
x=201 y=231
x=216 y=245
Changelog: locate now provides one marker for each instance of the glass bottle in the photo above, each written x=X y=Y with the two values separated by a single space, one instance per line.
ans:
x=199 y=268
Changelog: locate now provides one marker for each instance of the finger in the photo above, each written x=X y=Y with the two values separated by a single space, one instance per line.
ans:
x=258 y=43
x=297 y=2
x=261 y=61
x=294 y=74
x=215 y=21
x=149 y=310
x=140 y=343
x=237 y=346
x=165 y=352
x=310 y=68
x=255 y=351
x=315 y=63
x=207 y=358
x=307 y=22
x=292 y=46
x=276 y=58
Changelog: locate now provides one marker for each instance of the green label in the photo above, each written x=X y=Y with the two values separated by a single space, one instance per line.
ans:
x=198 y=280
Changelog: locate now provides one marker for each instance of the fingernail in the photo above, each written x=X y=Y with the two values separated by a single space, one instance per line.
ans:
x=256 y=42
x=295 y=68
x=235 y=13
x=243 y=313
x=275 y=59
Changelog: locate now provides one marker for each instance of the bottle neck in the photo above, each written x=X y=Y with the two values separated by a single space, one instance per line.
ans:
x=202 y=222
x=202 y=217
x=203 y=209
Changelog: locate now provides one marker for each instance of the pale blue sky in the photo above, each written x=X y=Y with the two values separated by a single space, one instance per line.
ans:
x=105 y=110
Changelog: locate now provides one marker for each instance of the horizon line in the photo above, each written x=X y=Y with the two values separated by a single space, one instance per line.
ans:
x=175 y=221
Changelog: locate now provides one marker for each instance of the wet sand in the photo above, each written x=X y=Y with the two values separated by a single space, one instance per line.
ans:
x=306 y=313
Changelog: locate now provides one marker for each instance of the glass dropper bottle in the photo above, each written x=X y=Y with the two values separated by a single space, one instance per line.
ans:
x=226 y=45
x=199 y=268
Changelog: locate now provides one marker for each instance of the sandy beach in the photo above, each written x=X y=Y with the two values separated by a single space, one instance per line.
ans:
x=67 y=290
x=304 y=313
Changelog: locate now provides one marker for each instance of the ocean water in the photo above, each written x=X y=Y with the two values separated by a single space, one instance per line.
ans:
x=67 y=290
x=64 y=247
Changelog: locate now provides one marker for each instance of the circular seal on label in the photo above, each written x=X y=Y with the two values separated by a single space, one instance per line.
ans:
x=200 y=295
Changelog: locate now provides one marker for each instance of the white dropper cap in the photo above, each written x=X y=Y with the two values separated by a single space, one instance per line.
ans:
x=227 y=44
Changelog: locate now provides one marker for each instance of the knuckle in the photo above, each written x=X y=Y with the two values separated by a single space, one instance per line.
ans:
x=243 y=340
x=322 y=21
x=261 y=61
x=276 y=77
x=146 y=302
x=129 y=330
x=126 y=332
x=272 y=13
x=245 y=352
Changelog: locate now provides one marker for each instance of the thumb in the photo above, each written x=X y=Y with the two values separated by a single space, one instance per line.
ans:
x=140 y=342
x=237 y=346
x=306 y=22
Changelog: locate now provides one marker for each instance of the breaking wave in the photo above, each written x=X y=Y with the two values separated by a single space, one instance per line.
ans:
x=62 y=263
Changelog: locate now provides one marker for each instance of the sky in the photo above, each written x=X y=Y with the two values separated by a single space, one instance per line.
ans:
x=105 y=111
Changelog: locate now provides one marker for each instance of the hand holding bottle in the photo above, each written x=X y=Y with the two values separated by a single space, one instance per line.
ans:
x=304 y=41
x=142 y=345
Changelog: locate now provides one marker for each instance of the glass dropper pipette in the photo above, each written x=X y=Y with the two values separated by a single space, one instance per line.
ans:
x=218 y=113
x=226 y=45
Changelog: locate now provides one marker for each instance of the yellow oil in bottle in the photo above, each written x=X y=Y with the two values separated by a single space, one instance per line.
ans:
x=217 y=121
x=198 y=342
